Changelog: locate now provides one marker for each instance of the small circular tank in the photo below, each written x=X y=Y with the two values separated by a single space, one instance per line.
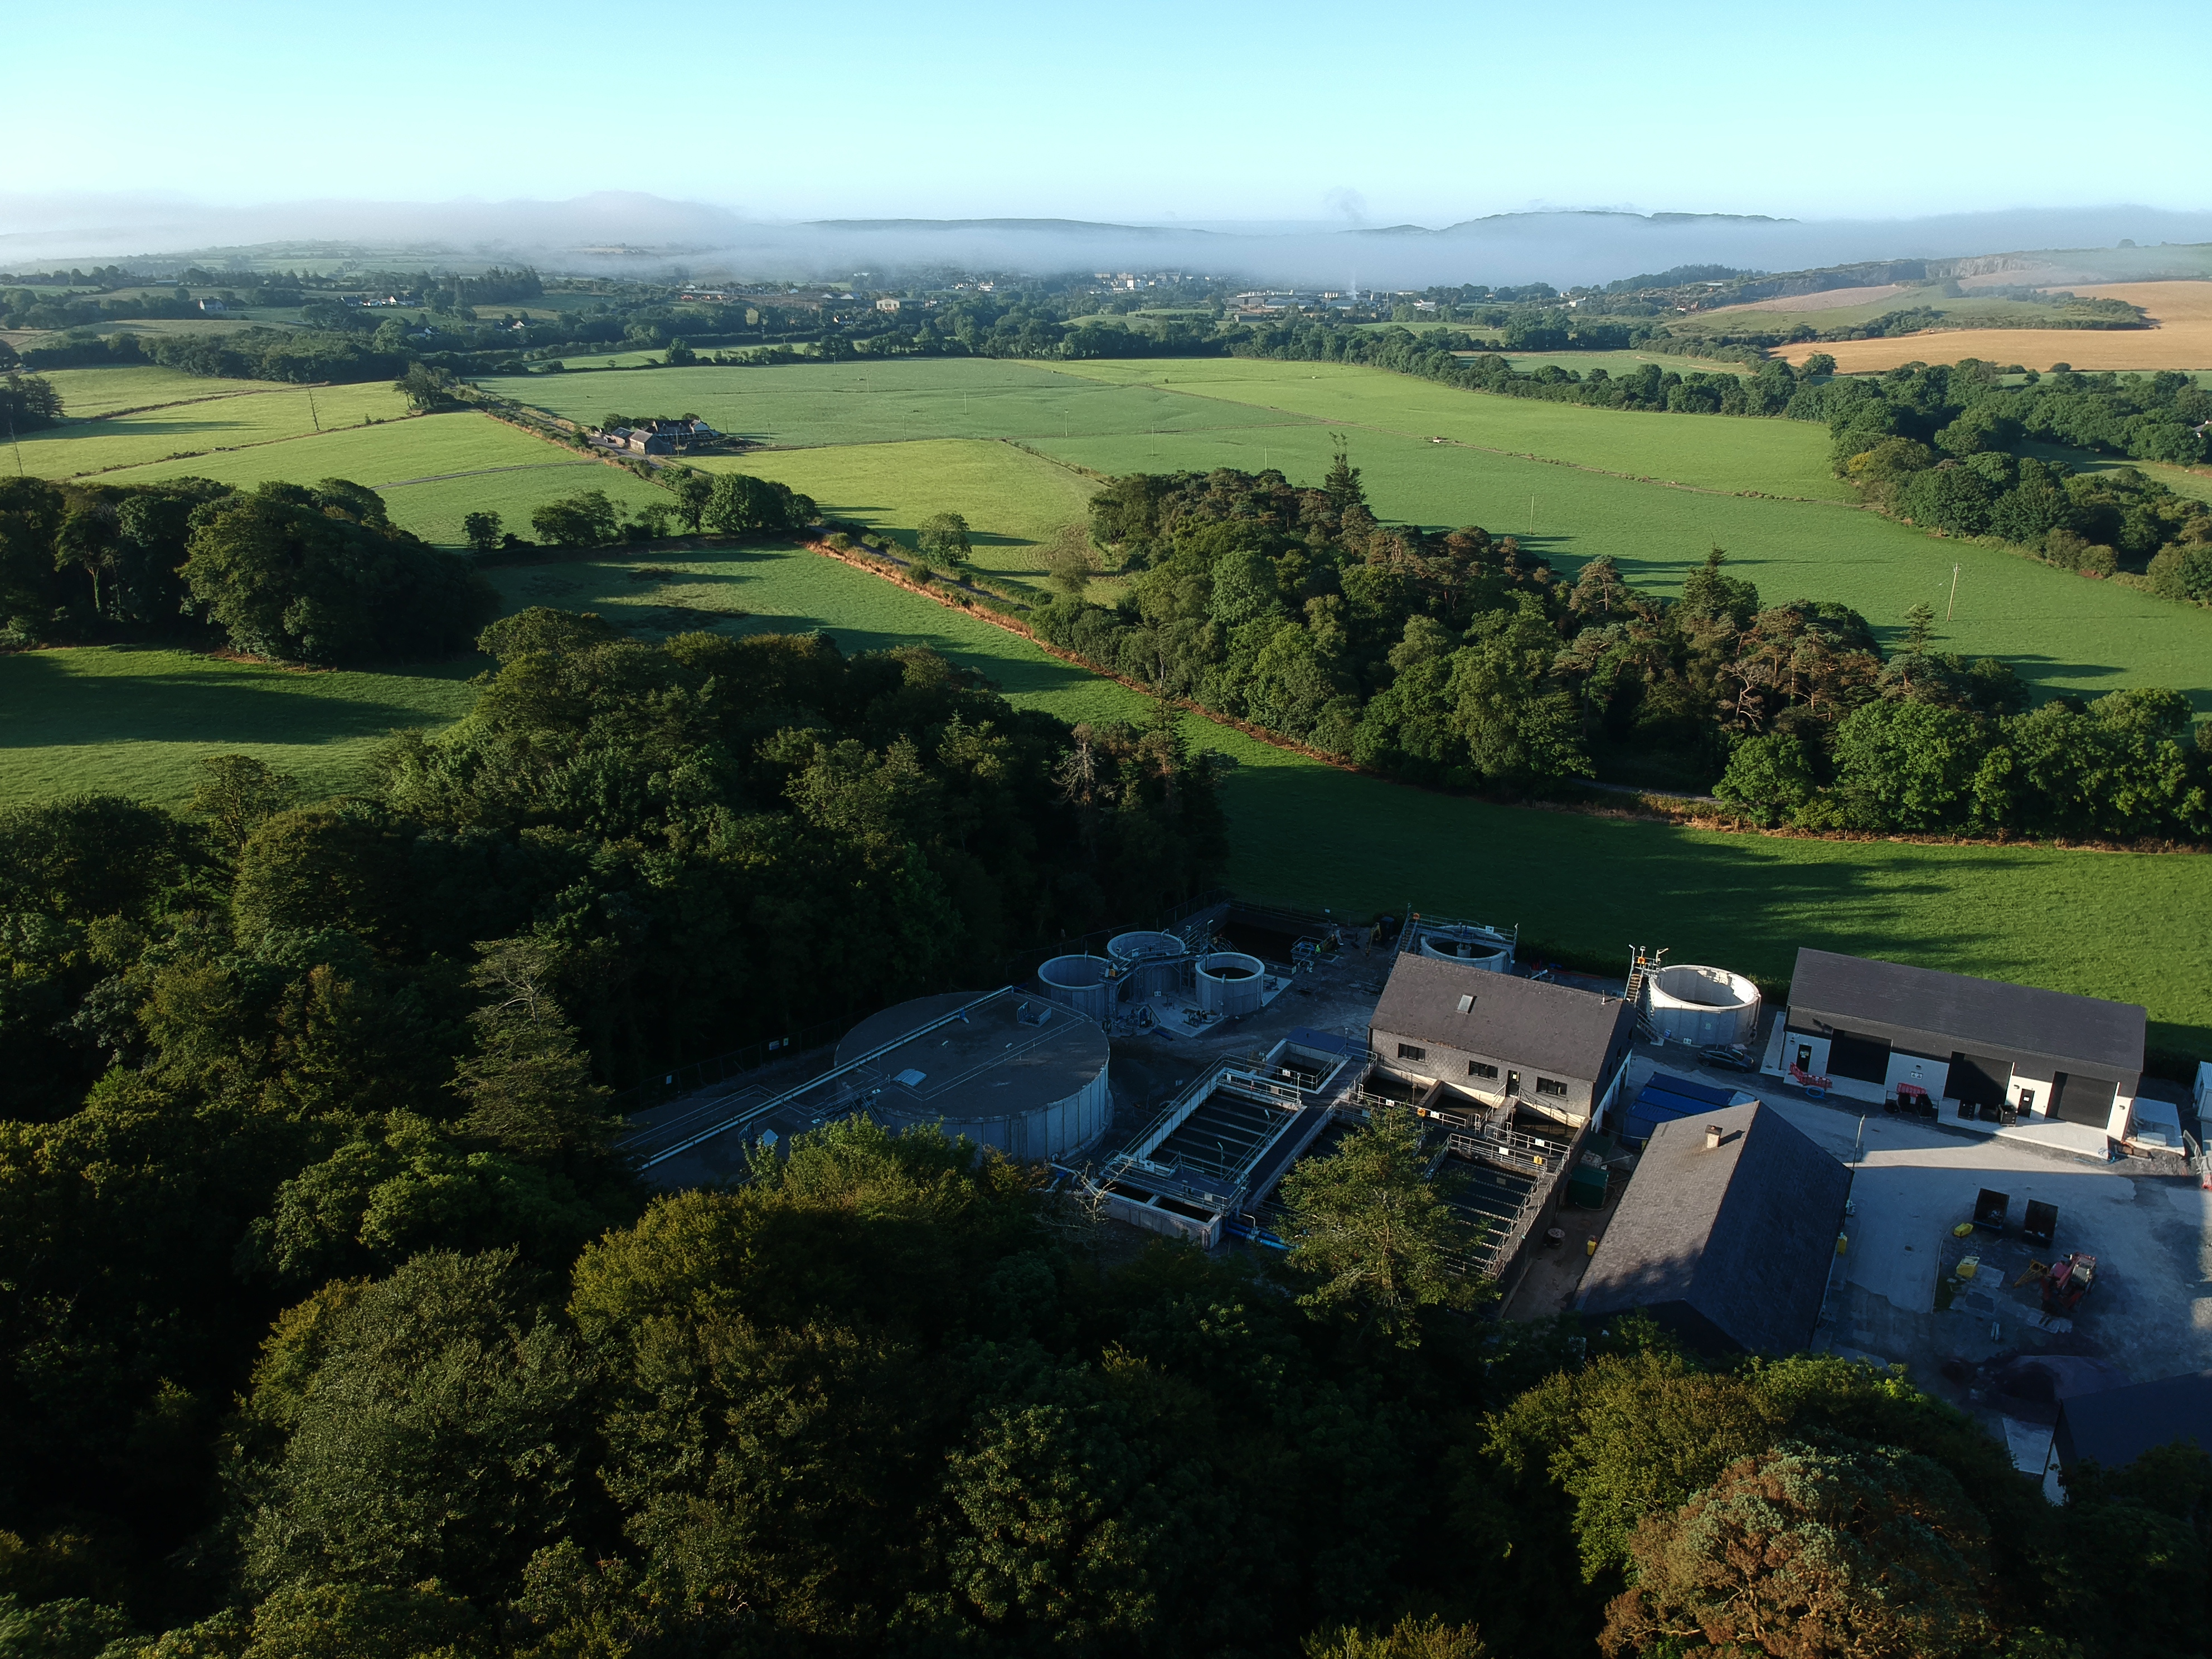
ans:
x=1695 y=1004
x=1230 y=983
x=1080 y=982
x=1478 y=947
x=1147 y=961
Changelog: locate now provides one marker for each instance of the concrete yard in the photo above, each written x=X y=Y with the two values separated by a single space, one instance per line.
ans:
x=1981 y=1344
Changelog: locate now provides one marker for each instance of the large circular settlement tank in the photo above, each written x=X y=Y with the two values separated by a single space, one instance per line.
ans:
x=1230 y=983
x=1021 y=1074
x=1690 y=1004
x=1147 y=961
x=1478 y=947
x=1080 y=982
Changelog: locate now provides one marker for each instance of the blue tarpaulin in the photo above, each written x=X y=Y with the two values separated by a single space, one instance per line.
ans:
x=1327 y=1043
x=1665 y=1096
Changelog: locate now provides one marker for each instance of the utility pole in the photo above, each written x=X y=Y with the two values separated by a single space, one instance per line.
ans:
x=1954 y=605
x=17 y=444
x=1532 y=515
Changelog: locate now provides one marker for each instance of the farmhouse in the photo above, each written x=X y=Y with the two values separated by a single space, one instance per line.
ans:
x=658 y=437
x=1725 y=1234
x=1500 y=1038
x=1980 y=1047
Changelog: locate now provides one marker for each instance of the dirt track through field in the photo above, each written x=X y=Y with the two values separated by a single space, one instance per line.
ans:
x=2181 y=337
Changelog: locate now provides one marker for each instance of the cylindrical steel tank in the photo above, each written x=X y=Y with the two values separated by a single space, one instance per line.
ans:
x=1147 y=961
x=1690 y=1004
x=1478 y=947
x=1018 y=1074
x=1230 y=983
x=1080 y=982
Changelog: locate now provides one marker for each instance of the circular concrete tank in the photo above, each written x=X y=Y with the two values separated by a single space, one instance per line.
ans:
x=1147 y=961
x=1478 y=947
x=1021 y=1074
x=1080 y=982
x=1230 y=983
x=1695 y=1004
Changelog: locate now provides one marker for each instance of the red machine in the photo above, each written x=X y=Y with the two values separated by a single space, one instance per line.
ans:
x=1816 y=1087
x=2067 y=1282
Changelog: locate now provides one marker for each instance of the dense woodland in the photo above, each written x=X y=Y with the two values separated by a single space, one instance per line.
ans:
x=330 y=1327
x=1462 y=660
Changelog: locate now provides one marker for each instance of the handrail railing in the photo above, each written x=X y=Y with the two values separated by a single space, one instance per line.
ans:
x=836 y=1075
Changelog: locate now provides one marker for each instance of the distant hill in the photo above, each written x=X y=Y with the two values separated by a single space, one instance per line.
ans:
x=632 y=231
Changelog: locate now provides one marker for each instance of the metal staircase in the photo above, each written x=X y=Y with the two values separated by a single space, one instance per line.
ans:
x=1643 y=964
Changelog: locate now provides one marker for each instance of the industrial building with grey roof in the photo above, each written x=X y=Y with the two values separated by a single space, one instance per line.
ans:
x=1726 y=1233
x=1501 y=1037
x=1983 y=1045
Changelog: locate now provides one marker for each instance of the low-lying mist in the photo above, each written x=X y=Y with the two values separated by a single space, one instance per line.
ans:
x=643 y=236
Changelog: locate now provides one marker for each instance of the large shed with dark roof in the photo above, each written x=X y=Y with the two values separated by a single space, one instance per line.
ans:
x=1502 y=1038
x=1981 y=1045
x=1724 y=1238
x=2117 y=1426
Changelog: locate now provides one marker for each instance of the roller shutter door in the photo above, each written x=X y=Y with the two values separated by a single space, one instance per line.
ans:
x=1978 y=1079
x=1864 y=1058
x=2084 y=1100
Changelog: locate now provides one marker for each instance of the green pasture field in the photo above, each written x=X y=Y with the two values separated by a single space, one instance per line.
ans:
x=198 y=430
x=431 y=470
x=583 y=360
x=1620 y=362
x=1963 y=311
x=1780 y=458
x=2061 y=632
x=2110 y=925
x=798 y=405
x=132 y=722
x=1011 y=499
x=88 y=393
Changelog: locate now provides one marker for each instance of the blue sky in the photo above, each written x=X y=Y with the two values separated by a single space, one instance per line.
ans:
x=1153 y=112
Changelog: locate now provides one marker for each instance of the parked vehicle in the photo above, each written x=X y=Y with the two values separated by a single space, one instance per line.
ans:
x=1729 y=1057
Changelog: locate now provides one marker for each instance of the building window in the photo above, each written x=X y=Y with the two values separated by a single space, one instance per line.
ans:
x=1408 y=1051
x=1476 y=1068
x=1546 y=1086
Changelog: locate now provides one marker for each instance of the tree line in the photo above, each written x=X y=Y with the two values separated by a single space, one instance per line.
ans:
x=304 y=574
x=1463 y=660
x=1938 y=447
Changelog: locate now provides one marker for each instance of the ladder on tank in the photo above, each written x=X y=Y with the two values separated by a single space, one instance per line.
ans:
x=1643 y=965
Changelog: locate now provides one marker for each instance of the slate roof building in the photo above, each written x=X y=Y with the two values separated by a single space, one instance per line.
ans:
x=1501 y=1038
x=2115 y=1426
x=1980 y=1046
x=1725 y=1240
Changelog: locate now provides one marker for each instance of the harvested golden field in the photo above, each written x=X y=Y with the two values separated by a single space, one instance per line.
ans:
x=2181 y=339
